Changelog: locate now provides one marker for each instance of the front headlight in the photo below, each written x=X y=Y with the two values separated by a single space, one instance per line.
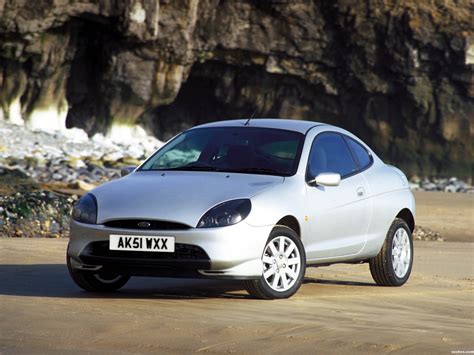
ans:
x=85 y=210
x=226 y=214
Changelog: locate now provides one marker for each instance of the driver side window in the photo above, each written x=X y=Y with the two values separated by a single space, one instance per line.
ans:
x=330 y=154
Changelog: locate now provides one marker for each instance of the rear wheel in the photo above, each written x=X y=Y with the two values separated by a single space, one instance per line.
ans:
x=284 y=266
x=392 y=266
x=99 y=282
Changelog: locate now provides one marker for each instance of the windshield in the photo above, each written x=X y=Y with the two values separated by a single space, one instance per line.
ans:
x=231 y=149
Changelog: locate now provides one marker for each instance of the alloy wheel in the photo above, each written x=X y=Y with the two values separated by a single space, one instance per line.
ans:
x=281 y=263
x=401 y=252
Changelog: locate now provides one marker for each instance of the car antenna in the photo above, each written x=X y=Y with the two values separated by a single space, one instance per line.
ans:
x=254 y=112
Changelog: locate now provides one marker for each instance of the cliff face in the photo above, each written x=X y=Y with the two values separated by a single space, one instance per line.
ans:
x=398 y=74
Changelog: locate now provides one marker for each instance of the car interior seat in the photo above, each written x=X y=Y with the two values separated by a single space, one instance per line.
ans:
x=240 y=156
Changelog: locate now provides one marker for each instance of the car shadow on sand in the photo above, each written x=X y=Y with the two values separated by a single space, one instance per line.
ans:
x=52 y=280
x=312 y=280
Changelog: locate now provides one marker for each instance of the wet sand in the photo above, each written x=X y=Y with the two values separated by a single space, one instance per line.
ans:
x=338 y=309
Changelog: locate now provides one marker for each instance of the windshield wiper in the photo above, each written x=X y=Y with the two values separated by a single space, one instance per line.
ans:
x=257 y=170
x=194 y=168
x=213 y=168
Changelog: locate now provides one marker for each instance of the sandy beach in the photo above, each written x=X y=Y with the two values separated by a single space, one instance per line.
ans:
x=452 y=215
x=338 y=309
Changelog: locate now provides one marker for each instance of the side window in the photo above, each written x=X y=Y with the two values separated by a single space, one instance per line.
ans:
x=360 y=152
x=330 y=154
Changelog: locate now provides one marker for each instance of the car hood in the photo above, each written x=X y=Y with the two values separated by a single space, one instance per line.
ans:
x=175 y=196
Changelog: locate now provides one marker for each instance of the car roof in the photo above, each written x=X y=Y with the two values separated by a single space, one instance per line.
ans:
x=279 y=123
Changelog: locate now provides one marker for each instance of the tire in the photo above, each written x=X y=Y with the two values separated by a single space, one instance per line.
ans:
x=96 y=282
x=391 y=266
x=287 y=270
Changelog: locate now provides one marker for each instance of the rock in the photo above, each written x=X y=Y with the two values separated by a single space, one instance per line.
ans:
x=428 y=186
x=76 y=163
x=50 y=158
x=55 y=227
x=136 y=152
x=168 y=65
x=451 y=188
x=113 y=157
x=422 y=233
x=35 y=213
x=85 y=186
x=441 y=184
x=94 y=163
x=129 y=161
x=76 y=135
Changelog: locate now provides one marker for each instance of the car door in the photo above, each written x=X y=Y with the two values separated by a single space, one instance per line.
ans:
x=339 y=216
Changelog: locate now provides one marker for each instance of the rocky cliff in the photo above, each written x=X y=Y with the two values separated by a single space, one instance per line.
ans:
x=397 y=73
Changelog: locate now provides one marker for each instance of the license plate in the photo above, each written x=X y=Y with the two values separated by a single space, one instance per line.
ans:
x=141 y=243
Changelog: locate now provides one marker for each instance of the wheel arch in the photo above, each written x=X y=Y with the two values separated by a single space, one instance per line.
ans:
x=290 y=222
x=408 y=217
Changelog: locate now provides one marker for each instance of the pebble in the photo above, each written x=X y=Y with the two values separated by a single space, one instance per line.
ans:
x=34 y=214
x=452 y=185
x=72 y=159
x=69 y=156
x=30 y=159
x=422 y=233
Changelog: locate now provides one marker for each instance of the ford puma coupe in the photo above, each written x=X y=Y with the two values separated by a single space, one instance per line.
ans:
x=254 y=200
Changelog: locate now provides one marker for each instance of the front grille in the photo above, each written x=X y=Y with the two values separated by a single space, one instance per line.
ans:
x=184 y=262
x=154 y=224
x=182 y=252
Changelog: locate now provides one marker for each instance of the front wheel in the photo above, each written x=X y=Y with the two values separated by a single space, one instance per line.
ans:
x=284 y=266
x=392 y=266
x=100 y=282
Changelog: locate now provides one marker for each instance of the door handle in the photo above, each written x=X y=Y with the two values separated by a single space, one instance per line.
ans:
x=360 y=191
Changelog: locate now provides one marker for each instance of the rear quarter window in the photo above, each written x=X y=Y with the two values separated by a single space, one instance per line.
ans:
x=360 y=152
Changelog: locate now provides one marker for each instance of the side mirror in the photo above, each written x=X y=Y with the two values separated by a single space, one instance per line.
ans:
x=127 y=170
x=327 y=179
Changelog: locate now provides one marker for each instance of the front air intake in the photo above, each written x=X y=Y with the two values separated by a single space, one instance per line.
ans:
x=146 y=224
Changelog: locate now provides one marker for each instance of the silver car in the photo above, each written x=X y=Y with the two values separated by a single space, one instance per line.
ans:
x=254 y=200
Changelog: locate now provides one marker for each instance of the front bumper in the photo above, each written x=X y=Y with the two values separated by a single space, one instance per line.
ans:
x=230 y=252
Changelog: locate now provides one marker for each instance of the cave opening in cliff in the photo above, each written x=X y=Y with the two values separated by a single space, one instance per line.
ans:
x=204 y=97
x=85 y=92
x=218 y=91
